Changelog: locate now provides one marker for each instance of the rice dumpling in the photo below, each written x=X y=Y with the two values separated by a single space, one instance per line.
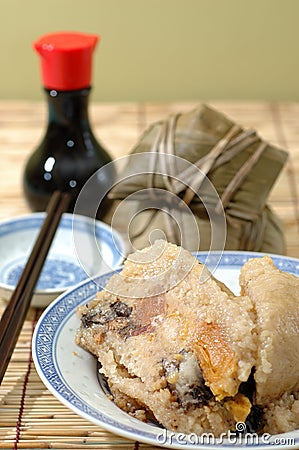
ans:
x=213 y=166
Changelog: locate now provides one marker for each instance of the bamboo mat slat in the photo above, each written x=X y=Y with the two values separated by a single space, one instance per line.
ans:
x=30 y=417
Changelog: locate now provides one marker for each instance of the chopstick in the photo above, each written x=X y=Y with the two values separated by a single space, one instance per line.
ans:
x=15 y=313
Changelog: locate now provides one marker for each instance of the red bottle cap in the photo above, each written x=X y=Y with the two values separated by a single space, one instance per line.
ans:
x=66 y=59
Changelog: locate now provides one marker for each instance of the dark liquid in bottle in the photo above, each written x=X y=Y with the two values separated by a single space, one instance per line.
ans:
x=68 y=154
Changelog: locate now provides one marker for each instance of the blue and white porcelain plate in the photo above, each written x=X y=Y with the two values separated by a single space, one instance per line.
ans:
x=70 y=373
x=70 y=259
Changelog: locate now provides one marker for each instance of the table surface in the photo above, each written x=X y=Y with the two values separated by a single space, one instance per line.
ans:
x=30 y=417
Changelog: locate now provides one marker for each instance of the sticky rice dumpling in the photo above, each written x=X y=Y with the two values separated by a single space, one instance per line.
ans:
x=239 y=164
x=275 y=296
x=172 y=353
x=178 y=347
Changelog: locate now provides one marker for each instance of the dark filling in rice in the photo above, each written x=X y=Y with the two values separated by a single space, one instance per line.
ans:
x=185 y=380
x=255 y=420
x=96 y=316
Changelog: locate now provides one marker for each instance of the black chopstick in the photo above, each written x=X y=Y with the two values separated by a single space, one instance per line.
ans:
x=15 y=313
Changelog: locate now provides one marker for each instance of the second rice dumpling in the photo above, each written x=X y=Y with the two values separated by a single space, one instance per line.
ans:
x=215 y=168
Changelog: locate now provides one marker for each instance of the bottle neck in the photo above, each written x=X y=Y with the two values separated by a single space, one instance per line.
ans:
x=68 y=107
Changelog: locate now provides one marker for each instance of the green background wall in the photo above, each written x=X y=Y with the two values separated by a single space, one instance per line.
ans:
x=162 y=50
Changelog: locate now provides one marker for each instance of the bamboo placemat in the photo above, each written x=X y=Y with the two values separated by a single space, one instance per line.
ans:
x=30 y=417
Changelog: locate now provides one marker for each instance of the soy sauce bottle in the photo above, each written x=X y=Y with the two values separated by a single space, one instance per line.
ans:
x=69 y=153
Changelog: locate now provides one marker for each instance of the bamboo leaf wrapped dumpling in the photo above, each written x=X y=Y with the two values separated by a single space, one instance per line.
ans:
x=240 y=165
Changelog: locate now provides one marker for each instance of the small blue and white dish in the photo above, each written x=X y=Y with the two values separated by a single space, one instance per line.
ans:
x=82 y=248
